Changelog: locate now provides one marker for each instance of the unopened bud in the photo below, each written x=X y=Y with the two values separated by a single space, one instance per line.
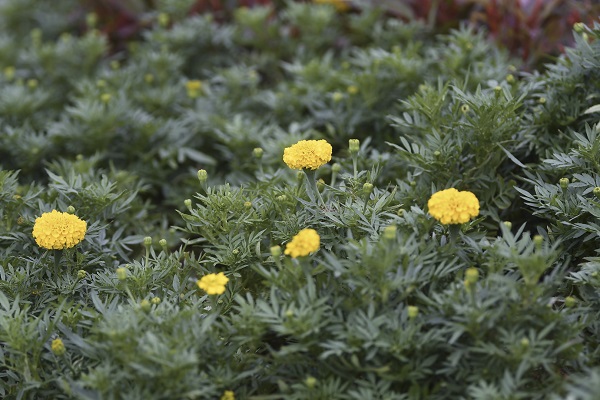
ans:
x=320 y=185
x=538 y=240
x=32 y=83
x=81 y=274
x=579 y=27
x=71 y=210
x=508 y=224
x=163 y=244
x=248 y=204
x=542 y=100
x=352 y=90
x=91 y=19
x=149 y=78
x=145 y=305
x=465 y=108
x=413 y=312
x=9 y=73
x=114 y=64
x=202 y=175
x=337 y=97
x=597 y=192
x=472 y=275
x=389 y=232
x=570 y=301
x=155 y=300
x=564 y=183
x=101 y=83
x=311 y=382
x=121 y=273
x=163 y=19
x=367 y=189
x=524 y=342
x=257 y=153
x=276 y=251
x=510 y=78
x=353 y=146
x=336 y=168
x=147 y=241
x=188 y=204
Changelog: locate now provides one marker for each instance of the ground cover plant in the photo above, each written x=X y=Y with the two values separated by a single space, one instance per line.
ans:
x=304 y=201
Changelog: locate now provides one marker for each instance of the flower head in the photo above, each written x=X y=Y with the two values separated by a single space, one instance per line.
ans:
x=193 y=87
x=56 y=230
x=309 y=154
x=304 y=243
x=453 y=207
x=213 y=283
x=58 y=347
x=228 y=395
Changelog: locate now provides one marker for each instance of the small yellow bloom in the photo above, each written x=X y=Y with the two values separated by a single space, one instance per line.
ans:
x=340 y=5
x=57 y=230
x=58 y=347
x=304 y=243
x=309 y=154
x=193 y=88
x=228 y=395
x=453 y=207
x=213 y=283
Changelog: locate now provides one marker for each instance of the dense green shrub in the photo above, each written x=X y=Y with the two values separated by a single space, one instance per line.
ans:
x=172 y=151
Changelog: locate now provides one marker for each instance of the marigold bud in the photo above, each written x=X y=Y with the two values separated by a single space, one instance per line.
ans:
x=101 y=83
x=389 y=232
x=202 y=175
x=367 y=189
x=149 y=78
x=163 y=19
x=122 y=273
x=105 y=97
x=413 y=312
x=81 y=274
x=320 y=185
x=9 y=73
x=538 y=240
x=542 y=100
x=248 y=204
x=352 y=90
x=524 y=342
x=472 y=275
x=155 y=300
x=145 y=305
x=353 y=146
x=58 y=347
x=579 y=27
x=337 y=97
x=115 y=64
x=570 y=301
x=163 y=244
x=597 y=192
x=510 y=78
x=257 y=152
x=276 y=251
x=508 y=224
x=71 y=210
x=564 y=183
x=147 y=241
x=336 y=168
x=188 y=204
x=32 y=83
x=465 y=108
x=311 y=382
x=91 y=19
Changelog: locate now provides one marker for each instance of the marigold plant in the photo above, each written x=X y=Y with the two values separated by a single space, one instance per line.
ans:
x=213 y=283
x=58 y=347
x=57 y=230
x=304 y=243
x=451 y=206
x=308 y=154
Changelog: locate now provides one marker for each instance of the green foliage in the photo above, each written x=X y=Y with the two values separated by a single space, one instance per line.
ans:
x=393 y=305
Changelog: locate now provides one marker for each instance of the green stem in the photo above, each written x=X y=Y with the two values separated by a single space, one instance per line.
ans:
x=454 y=233
x=57 y=257
x=311 y=184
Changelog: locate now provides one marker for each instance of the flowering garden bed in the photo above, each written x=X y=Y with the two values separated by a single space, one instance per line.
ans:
x=301 y=202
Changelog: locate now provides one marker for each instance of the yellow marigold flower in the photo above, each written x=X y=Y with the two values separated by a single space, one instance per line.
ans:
x=340 y=5
x=453 y=207
x=228 y=395
x=213 y=283
x=310 y=154
x=304 y=243
x=57 y=230
x=58 y=347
